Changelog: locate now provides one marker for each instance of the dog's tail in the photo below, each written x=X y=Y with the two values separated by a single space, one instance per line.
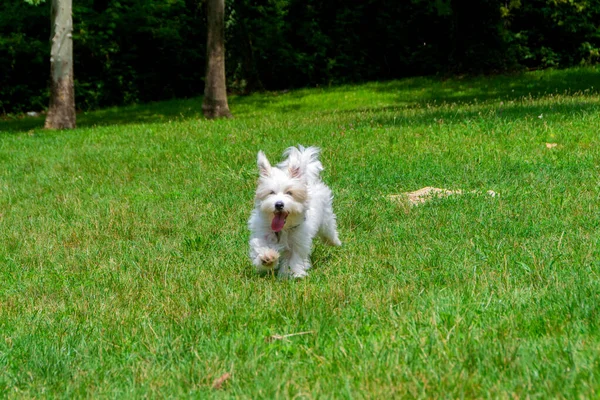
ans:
x=303 y=161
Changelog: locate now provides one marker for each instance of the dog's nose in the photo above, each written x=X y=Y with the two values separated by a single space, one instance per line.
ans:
x=279 y=205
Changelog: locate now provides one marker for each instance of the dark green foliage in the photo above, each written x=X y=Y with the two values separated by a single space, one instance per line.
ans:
x=554 y=33
x=138 y=51
x=24 y=55
x=129 y=51
x=125 y=51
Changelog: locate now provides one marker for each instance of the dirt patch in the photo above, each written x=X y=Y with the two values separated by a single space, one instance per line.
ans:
x=429 y=192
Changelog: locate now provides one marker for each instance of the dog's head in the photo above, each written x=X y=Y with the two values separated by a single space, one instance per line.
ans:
x=281 y=192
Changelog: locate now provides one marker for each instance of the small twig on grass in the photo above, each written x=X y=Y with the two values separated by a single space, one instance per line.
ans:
x=272 y=338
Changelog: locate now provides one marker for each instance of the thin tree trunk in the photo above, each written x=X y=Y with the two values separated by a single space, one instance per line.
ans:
x=215 y=89
x=253 y=82
x=61 y=113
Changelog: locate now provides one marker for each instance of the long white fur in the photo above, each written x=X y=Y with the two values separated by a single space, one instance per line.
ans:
x=288 y=251
x=307 y=159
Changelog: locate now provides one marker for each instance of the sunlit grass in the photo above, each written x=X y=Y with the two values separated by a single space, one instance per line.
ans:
x=124 y=268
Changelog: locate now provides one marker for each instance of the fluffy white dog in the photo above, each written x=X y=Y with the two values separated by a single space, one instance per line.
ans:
x=291 y=207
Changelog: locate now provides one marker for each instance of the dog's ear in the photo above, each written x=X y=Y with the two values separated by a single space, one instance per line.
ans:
x=294 y=163
x=264 y=167
x=295 y=171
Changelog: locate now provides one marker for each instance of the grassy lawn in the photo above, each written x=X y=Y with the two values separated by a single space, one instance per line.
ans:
x=123 y=247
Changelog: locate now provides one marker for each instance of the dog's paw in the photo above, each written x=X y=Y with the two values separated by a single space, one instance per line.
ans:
x=269 y=258
x=299 y=274
x=287 y=272
x=335 y=242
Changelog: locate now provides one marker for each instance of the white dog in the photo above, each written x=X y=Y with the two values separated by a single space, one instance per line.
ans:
x=291 y=207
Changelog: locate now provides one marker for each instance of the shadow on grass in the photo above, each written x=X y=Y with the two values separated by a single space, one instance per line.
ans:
x=150 y=113
x=410 y=92
x=509 y=113
x=501 y=87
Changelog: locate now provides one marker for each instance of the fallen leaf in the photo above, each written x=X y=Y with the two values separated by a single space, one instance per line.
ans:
x=218 y=383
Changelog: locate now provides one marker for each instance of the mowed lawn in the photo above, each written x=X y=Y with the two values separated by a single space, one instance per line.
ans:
x=123 y=247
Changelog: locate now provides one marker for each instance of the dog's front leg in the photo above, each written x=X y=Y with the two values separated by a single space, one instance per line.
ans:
x=298 y=266
x=264 y=257
x=297 y=262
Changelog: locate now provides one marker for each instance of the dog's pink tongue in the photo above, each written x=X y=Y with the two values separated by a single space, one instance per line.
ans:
x=278 y=222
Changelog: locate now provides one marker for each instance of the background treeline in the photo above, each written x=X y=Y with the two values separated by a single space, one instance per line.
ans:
x=143 y=50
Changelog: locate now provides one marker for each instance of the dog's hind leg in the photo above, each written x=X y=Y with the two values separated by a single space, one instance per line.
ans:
x=328 y=230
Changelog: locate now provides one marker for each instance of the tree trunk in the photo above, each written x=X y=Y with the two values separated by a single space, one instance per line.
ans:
x=215 y=90
x=253 y=82
x=61 y=113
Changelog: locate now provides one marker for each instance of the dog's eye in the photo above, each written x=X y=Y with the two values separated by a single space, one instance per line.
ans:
x=288 y=193
x=272 y=192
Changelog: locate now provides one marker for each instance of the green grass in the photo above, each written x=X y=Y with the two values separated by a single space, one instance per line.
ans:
x=123 y=247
